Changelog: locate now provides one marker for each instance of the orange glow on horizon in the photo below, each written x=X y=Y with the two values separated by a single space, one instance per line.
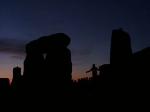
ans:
x=7 y=72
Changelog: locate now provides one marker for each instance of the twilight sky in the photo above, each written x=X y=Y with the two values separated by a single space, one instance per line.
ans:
x=88 y=22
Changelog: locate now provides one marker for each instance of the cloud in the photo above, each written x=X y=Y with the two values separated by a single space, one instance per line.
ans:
x=13 y=46
x=81 y=56
x=82 y=52
x=18 y=57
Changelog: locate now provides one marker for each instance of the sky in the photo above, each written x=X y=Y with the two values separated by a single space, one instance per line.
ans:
x=89 y=24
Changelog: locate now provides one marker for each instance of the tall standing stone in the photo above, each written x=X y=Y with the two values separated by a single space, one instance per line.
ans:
x=52 y=71
x=120 y=51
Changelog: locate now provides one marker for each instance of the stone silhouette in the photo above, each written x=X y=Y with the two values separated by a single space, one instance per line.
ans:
x=16 y=83
x=120 y=55
x=141 y=61
x=105 y=72
x=48 y=68
x=55 y=69
x=4 y=88
x=120 y=51
x=141 y=69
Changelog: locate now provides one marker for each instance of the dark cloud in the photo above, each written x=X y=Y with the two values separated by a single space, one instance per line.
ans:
x=20 y=57
x=80 y=56
x=12 y=46
x=82 y=52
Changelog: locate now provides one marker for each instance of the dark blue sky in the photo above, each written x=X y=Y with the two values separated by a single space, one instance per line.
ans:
x=88 y=22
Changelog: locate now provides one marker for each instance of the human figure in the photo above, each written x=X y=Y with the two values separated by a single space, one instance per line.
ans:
x=94 y=70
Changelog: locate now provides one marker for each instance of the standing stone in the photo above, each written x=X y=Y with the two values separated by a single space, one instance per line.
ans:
x=120 y=52
x=55 y=70
x=33 y=64
x=58 y=61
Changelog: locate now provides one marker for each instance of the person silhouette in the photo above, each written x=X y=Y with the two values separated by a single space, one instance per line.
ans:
x=94 y=70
